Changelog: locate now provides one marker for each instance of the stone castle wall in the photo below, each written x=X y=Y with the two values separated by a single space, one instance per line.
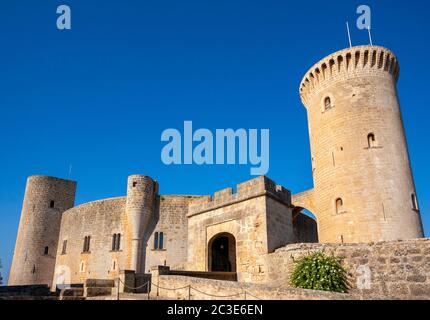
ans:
x=399 y=269
x=258 y=216
x=172 y=221
x=385 y=270
x=100 y=220
x=363 y=191
x=207 y=289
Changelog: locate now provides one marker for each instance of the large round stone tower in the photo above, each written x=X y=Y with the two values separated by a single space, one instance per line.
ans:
x=363 y=185
x=45 y=200
x=141 y=195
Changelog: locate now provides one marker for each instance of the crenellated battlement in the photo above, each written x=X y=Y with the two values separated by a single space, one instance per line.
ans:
x=246 y=190
x=346 y=64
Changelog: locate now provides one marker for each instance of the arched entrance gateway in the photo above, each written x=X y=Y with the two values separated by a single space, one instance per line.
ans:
x=222 y=253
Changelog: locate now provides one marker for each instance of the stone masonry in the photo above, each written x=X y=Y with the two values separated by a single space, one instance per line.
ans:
x=363 y=185
x=364 y=200
x=398 y=269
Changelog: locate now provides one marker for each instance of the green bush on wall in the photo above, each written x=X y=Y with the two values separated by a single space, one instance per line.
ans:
x=318 y=271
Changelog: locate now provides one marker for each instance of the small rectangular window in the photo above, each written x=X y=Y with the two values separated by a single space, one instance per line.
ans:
x=113 y=242
x=116 y=242
x=134 y=184
x=64 y=249
x=87 y=241
x=371 y=140
x=414 y=202
x=161 y=241
x=46 y=251
x=52 y=204
x=156 y=241
x=339 y=206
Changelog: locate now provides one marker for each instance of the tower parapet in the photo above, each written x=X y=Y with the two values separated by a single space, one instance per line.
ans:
x=363 y=185
x=349 y=63
x=46 y=198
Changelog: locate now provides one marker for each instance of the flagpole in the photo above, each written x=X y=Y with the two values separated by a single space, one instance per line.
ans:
x=349 y=34
x=370 y=36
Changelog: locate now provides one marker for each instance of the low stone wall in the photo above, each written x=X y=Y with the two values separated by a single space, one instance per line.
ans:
x=30 y=292
x=185 y=288
x=388 y=269
x=158 y=271
x=226 y=276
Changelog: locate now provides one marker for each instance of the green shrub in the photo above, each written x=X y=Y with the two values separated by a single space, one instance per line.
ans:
x=318 y=271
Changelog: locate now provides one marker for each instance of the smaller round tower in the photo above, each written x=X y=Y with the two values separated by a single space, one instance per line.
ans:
x=141 y=195
x=46 y=198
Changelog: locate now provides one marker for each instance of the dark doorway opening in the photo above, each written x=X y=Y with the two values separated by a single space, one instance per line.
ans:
x=305 y=226
x=222 y=253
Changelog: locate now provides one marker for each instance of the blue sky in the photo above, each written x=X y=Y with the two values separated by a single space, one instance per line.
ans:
x=98 y=97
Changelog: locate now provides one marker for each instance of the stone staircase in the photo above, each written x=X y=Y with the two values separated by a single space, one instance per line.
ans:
x=92 y=288
x=98 y=287
x=72 y=294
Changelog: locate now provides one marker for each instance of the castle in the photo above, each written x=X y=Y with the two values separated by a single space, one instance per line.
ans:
x=363 y=192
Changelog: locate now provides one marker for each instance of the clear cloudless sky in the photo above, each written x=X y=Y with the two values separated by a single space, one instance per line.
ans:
x=97 y=97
